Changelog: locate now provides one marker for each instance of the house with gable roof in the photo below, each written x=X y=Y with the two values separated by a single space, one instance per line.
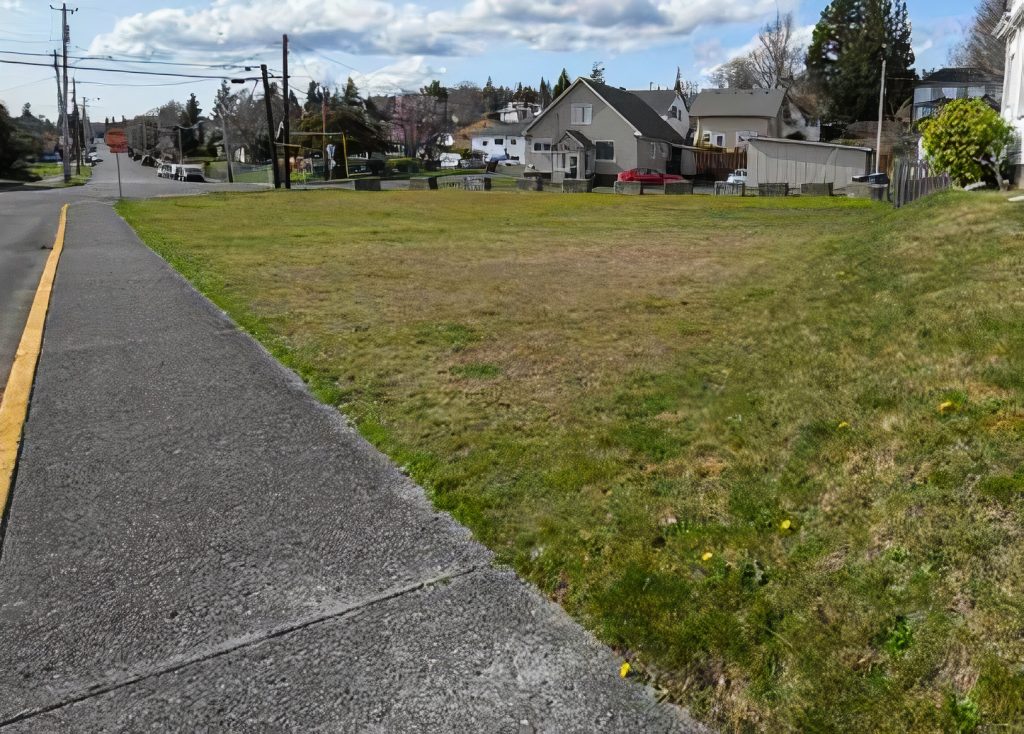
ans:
x=596 y=131
x=726 y=118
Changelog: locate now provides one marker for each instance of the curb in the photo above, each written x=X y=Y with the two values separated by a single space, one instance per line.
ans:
x=14 y=406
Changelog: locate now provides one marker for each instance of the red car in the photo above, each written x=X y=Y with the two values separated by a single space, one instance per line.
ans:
x=648 y=176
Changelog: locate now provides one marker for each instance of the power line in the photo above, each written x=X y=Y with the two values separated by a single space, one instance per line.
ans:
x=130 y=61
x=328 y=58
x=131 y=71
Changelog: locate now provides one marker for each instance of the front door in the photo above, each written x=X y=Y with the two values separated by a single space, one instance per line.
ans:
x=574 y=162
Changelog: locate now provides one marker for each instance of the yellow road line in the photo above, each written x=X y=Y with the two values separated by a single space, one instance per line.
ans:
x=14 y=406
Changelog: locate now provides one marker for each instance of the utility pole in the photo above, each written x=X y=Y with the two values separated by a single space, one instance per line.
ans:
x=287 y=115
x=66 y=37
x=227 y=144
x=881 y=102
x=60 y=111
x=323 y=129
x=270 y=126
x=78 y=128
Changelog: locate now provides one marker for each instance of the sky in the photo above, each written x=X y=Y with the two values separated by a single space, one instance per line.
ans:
x=391 y=45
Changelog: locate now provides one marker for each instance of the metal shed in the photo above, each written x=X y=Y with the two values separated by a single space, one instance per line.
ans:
x=796 y=162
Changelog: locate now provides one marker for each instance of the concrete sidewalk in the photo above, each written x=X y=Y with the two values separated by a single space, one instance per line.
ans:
x=194 y=542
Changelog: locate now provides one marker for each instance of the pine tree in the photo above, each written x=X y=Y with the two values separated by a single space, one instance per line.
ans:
x=350 y=96
x=561 y=85
x=544 y=92
x=678 y=88
x=314 y=97
x=192 y=111
x=597 y=72
x=845 y=56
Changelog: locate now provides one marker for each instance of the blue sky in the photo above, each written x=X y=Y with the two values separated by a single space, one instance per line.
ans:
x=393 y=44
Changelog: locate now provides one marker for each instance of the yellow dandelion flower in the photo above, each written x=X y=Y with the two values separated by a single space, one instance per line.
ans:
x=842 y=425
x=786 y=524
x=624 y=670
x=943 y=407
x=708 y=555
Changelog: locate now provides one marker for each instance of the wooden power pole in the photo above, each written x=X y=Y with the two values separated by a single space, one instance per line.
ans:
x=270 y=125
x=287 y=115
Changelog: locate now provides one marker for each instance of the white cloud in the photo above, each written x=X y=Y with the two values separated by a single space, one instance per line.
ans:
x=408 y=74
x=383 y=27
x=10 y=5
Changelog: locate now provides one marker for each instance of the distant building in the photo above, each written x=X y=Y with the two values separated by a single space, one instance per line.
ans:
x=1011 y=30
x=726 y=118
x=509 y=138
x=945 y=85
x=515 y=112
x=594 y=132
x=670 y=105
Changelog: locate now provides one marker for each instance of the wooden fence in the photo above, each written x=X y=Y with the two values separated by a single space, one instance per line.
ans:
x=913 y=179
x=716 y=165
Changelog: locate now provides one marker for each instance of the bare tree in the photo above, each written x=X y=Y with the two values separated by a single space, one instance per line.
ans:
x=980 y=48
x=774 y=62
x=776 y=59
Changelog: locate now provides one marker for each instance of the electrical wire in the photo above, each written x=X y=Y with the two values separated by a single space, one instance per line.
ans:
x=128 y=61
x=128 y=71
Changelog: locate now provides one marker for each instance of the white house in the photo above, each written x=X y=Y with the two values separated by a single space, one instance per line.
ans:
x=670 y=105
x=1011 y=30
x=504 y=137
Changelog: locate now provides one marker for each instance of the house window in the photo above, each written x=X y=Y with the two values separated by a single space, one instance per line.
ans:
x=512 y=141
x=541 y=145
x=484 y=143
x=499 y=141
x=720 y=141
x=605 y=150
x=582 y=114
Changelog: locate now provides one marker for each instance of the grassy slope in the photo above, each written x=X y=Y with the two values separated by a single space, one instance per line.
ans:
x=607 y=389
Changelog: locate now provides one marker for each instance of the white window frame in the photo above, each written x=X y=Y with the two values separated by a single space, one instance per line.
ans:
x=604 y=160
x=585 y=114
x=499 y=141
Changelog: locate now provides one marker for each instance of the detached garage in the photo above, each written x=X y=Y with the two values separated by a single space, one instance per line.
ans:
x=796 y=162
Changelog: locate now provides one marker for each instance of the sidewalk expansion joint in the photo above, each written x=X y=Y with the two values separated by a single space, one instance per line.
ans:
x=180 y=662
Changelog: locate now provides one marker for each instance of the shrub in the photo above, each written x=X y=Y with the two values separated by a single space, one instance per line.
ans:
x=403 y=165
x=967 y=139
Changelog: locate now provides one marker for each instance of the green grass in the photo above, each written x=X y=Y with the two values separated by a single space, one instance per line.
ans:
x=37 y=171
x=770 y=450
x=46 y=170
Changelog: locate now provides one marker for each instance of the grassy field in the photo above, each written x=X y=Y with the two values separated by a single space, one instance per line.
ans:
x=770 y=450
x=49 y=170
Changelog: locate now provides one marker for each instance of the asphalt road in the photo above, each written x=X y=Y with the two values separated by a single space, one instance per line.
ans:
x=28 y=223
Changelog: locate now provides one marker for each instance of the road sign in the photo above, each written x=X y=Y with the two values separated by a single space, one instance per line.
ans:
x=116 y=140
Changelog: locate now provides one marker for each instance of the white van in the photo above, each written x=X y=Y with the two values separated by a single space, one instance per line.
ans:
x=164 y=170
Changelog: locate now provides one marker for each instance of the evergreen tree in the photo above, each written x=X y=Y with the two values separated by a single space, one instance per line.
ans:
x=314 y=97
x=544 y=93
x=678 y=88
x=350 y=95
x=490 y=96
x=192 y=111
x=223 y=100
x=845 y=57
x=597 y=72
x=561 y=85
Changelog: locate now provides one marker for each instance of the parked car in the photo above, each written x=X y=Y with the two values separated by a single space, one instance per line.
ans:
x=739 y=176
x=191 y=173
x=148 y=160
x=471 y=163
x=163 y=170
x=450 y=160
x=648 y=176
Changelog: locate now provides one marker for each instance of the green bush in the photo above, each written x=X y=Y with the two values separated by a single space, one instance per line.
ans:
x=964 y=133
x=403 y=165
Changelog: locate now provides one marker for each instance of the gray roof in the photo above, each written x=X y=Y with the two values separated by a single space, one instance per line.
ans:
x=738 y=103
x=658 y=99
x=640 y=114
x=580 y=138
